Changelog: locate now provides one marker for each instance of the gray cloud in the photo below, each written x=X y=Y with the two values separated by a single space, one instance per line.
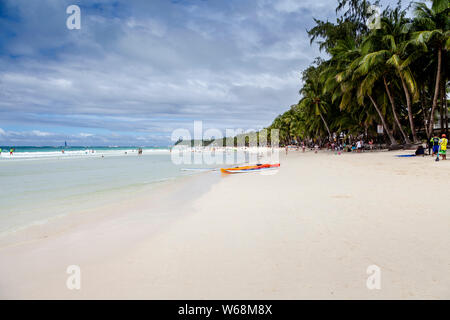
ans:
x=148 y=67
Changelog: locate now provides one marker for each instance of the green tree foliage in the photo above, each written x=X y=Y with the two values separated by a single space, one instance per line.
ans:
x=394 y=75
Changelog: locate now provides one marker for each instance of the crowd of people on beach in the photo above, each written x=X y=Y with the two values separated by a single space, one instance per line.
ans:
x=357 y=145
x=437 y=146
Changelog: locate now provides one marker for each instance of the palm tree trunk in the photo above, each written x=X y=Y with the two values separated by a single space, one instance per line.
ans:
x=425 y=113
x=388 y=131
x=328 y=129
x=446 y=111
x=441 y=112
x=408 y=103
x=444 y=106
x=395 y=112
x=436 y=91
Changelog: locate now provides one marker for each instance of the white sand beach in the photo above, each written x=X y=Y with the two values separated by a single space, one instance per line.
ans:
x=309 y=231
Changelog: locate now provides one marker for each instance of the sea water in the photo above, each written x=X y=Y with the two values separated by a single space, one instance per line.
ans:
x=39 y=184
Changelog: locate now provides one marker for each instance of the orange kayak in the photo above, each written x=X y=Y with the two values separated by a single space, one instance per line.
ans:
x=249 y=168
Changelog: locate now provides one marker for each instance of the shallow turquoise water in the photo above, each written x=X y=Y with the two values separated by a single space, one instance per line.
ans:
x=36 y=189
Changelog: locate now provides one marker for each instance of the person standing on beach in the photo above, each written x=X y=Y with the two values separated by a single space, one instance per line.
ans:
x=11 y=151
x=435 y=144
x=443 y=146
x=429 y=146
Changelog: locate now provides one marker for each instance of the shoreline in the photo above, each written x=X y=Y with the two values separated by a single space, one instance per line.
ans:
x=47 y=189
x=309 y=231
x=111 y=230
x=110 y=207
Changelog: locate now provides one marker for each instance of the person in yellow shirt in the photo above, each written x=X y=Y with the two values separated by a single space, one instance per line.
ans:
x=443 y=147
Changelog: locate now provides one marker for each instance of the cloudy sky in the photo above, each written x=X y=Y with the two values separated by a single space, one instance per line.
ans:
x=138 y=69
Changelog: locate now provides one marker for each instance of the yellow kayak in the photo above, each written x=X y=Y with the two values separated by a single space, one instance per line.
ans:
x=248 y=168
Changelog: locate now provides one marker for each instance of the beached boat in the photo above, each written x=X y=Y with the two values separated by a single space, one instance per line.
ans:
x=249 y=168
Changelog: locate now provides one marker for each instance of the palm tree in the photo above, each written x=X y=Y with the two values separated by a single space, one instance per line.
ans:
x=362 y=85
x=432 y=25
x=395 y=37
x=377 y=52
x=313 y=96
x=396 y=74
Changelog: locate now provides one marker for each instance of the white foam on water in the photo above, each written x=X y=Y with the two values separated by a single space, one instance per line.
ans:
x=78 y=153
